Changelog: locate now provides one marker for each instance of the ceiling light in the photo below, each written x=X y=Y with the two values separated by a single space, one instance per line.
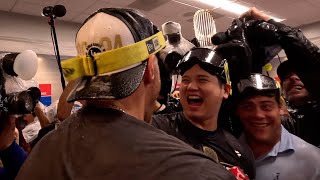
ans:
x=231 y=6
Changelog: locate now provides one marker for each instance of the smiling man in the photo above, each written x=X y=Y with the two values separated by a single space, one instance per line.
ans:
x=205 y=84
x=302 y=107
x=278 y=153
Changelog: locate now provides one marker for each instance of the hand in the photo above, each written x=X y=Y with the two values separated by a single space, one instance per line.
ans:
x=37 y=108
x=7 y=135
x=255 y=14
x=176 y=94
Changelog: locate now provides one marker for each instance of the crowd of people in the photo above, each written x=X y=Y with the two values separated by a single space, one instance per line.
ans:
x=117 y=118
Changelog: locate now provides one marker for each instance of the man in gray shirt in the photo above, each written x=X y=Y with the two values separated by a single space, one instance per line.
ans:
x=110 y=138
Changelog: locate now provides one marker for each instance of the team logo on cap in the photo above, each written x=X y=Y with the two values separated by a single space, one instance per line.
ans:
x=94 y=48
x=68 y=71
x=153 y=45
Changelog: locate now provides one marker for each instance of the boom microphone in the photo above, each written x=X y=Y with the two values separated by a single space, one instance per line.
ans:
x=59 y=10
x=56 y=11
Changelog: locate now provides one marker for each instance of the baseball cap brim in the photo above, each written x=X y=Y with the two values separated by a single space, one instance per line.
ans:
x=115 y=86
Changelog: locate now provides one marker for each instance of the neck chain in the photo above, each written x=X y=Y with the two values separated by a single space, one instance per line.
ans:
x=115 y=107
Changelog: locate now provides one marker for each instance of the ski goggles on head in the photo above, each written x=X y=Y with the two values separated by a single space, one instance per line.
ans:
x=208 y=59
x=203 y=54
x=258 y=82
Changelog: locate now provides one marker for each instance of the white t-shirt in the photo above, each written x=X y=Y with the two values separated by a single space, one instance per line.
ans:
x=30 y=132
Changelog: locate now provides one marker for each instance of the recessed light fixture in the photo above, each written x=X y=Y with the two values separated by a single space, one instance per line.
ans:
x=231 y=6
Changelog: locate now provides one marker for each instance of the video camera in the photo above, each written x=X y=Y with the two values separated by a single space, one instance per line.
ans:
x=21 y=101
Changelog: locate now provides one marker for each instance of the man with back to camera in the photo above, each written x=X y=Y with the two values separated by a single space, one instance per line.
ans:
x=110 y=138
x=278 y=153
x=204 y=86
x=299 y=75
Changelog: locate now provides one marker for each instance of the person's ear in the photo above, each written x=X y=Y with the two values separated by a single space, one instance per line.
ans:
x=149 y=74
x=227 y=89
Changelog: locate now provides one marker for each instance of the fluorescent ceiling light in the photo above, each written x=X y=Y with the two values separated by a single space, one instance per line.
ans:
x=231 y=6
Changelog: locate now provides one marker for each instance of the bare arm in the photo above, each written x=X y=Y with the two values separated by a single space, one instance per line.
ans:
x=64 y=107
x=43 y=119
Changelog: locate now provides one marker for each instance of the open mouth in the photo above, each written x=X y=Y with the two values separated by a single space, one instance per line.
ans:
x=194 y=100
x=297 y=87
x=259 y=124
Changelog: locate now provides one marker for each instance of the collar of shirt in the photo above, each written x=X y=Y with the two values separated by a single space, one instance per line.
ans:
x=285 y=144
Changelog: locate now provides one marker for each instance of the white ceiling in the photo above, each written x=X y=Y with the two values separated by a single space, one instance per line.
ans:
x=296 y=12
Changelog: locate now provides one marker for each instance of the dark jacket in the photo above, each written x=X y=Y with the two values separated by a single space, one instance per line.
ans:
x=228 y=149
x=305 y=122
x=304 y=56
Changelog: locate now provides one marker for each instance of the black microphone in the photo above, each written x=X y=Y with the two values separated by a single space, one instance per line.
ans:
x=219 y=38
x=56 y=11
x=47 y=11
x=59 y=10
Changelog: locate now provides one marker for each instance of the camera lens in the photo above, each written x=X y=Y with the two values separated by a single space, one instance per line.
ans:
x=21 y=103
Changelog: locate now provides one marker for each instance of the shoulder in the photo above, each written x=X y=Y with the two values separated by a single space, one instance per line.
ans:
x=234 y=142
x=162 y=121
x=305 y=150
x=239 y=146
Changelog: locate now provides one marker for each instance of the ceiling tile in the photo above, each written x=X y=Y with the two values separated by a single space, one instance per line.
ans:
x=156 y=19
x=27 y=8
x=45 y=3
x=6 y=5
x=77 y=6
x=311 y=13
x=223 y=23
x=174 y=10
x=314 y=2
x=97 y=5
x=70 y=15
x=41 y=2
x=122 y=3
x=80 y=18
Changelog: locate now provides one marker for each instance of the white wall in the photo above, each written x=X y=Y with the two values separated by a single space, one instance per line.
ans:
x=20 y=32
x=48 y=73
x=312 y=32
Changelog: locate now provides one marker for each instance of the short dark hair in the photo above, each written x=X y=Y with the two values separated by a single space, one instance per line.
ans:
x=252 y=92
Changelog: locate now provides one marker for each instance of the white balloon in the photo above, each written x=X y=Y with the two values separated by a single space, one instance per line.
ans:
x=26 y=64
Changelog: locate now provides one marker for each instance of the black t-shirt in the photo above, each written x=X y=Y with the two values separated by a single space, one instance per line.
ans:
x=305 y=123
x=109 y=144
x=228 y=149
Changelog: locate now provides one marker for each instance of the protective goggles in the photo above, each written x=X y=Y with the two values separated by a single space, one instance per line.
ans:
x=209 y=60
x=113 y=60
x=259 y=82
